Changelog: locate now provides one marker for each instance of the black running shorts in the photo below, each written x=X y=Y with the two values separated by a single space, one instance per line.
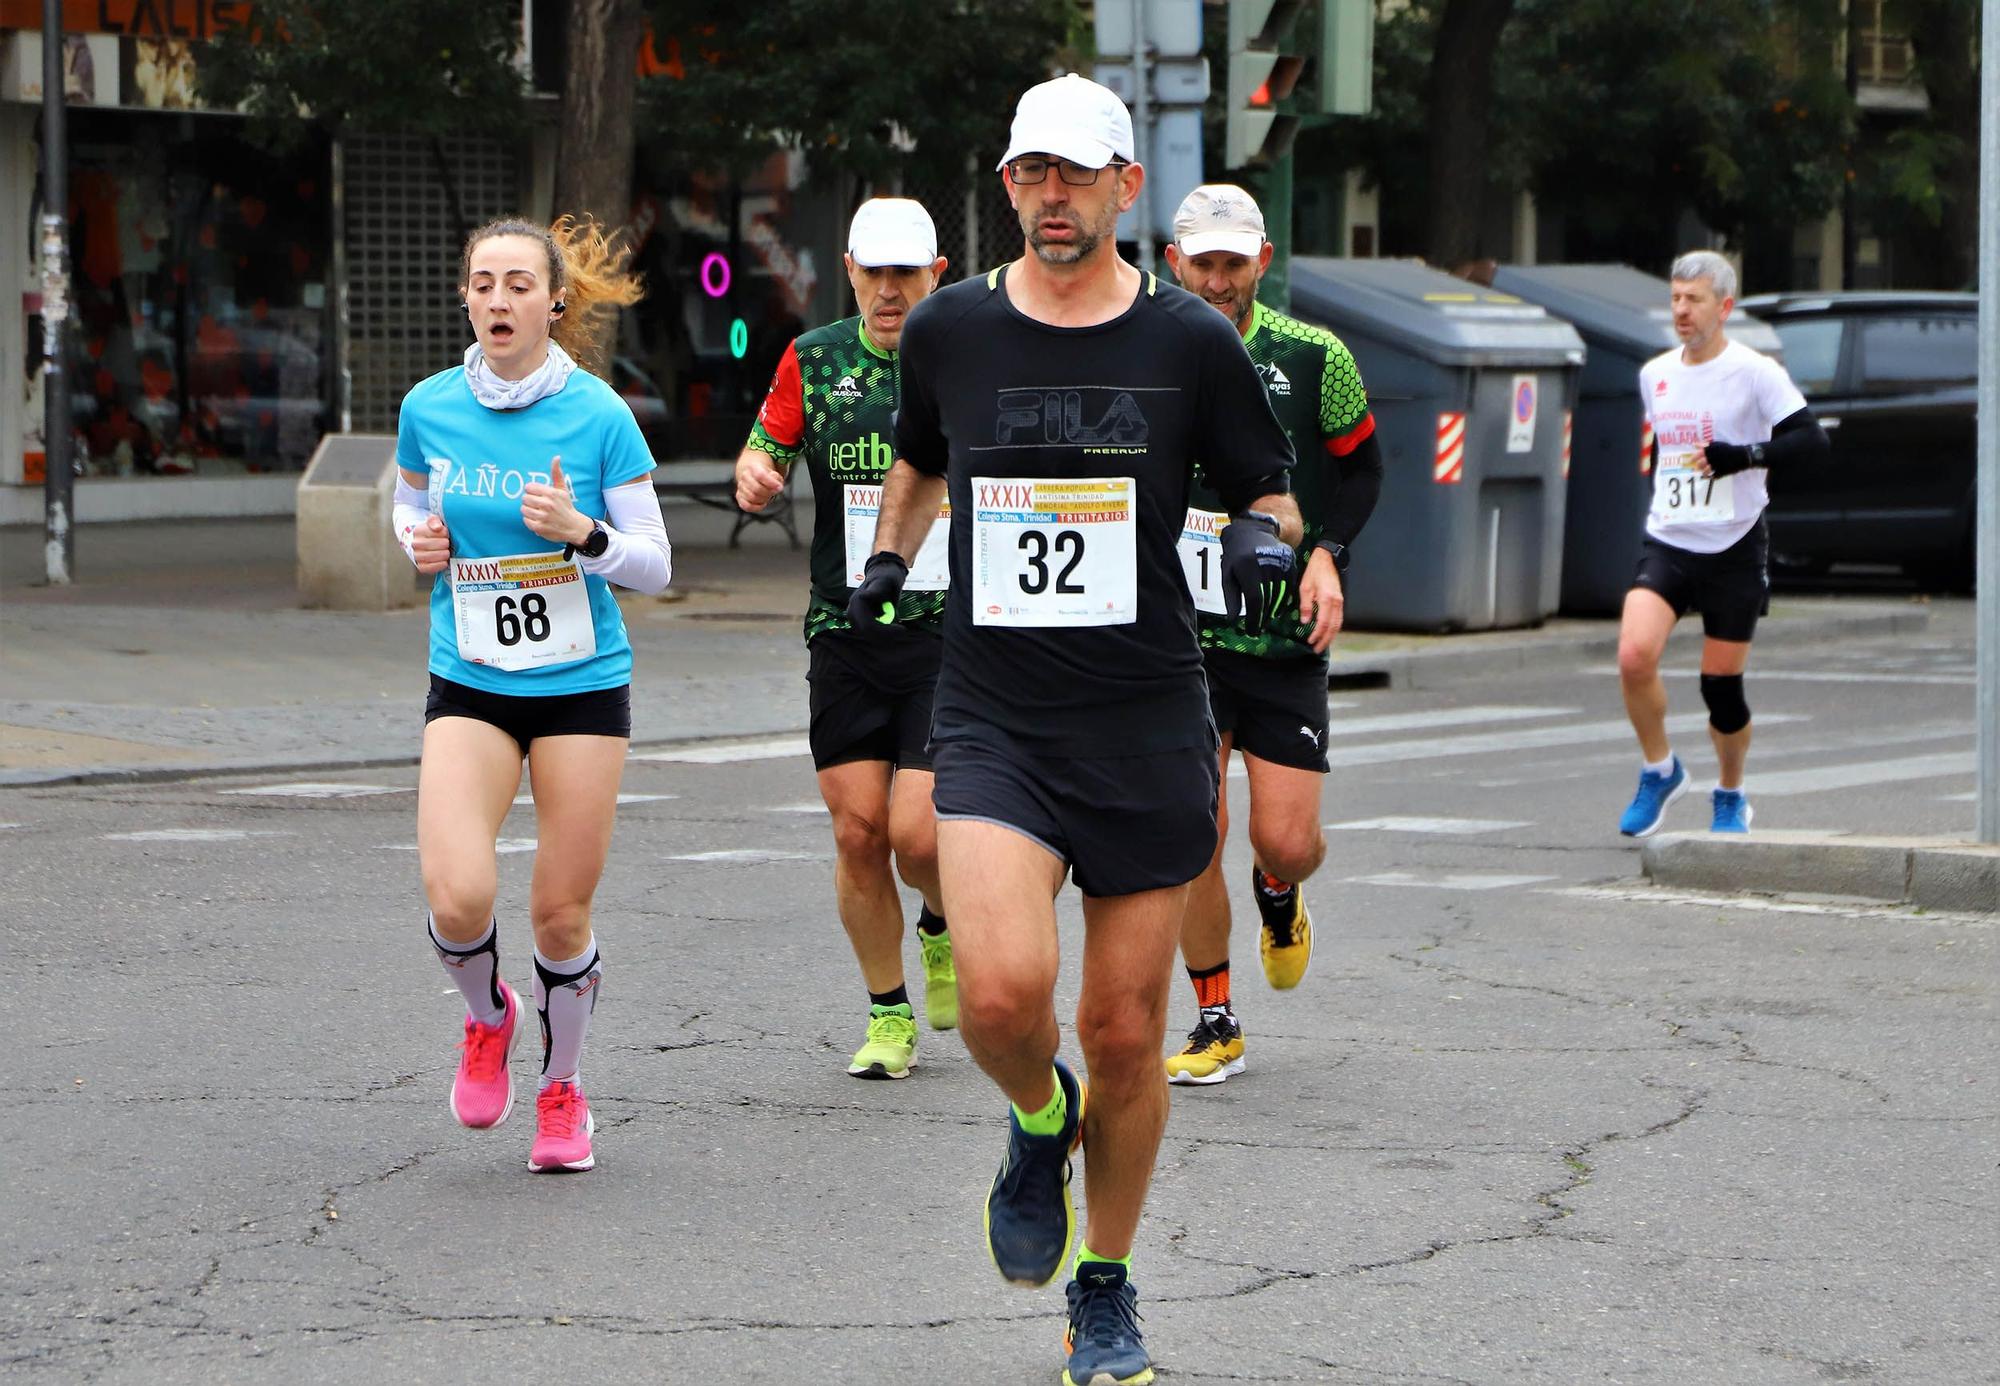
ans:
x=1274 y=708
x=1121 y=824
x=602 y=712
x=1730 y=589
x=871 y=696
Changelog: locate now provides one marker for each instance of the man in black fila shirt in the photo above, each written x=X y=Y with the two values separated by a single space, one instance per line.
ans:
x=1062 y=401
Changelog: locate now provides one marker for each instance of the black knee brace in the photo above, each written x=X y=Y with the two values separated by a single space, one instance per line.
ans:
x=1727 y=712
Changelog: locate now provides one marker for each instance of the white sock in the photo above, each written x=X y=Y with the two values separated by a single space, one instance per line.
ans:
x=565 y=995
x=1736 y=788
x=475 y=969
x=1661 y=767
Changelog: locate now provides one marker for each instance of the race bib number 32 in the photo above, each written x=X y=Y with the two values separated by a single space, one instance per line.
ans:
x=522 y=611
x=1054 y=553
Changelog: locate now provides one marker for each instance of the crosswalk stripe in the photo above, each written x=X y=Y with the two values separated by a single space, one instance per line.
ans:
x=195 y=835
x=1816 y=676
x=769 y=748
x=321 y=791
x=1442 y=717
x=520 y=799
x=749 y=855
x=1826 y=777
x=1530 y=739
x=1428 y=825
x=1458 y=881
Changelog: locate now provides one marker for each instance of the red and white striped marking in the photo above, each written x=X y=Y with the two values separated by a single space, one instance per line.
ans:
x=1569 y=423
x=1646 y=448
x=1449 y=467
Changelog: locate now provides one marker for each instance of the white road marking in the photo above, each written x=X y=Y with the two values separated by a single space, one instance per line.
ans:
x=1459 y=881
x=1443 y=717
x=194 y=835
x=322 y=791
x=1533 y=739
x=622 y=798
x=770 y=748
x=1428 y=825
x=1943 y=799
x=797 y=808
x=1814 y=676
x=1826 y=777
x=748 y=854
x=1905 y=914
x=506 y=846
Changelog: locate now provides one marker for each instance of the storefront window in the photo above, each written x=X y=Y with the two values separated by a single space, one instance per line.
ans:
x=200 y=266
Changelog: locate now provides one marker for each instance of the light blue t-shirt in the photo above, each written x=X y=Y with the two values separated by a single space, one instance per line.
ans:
x=479 y=461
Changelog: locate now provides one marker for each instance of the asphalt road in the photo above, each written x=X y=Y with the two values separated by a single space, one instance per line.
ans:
x=1528 y=1120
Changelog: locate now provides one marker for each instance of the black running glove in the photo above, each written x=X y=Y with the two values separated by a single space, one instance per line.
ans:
x=1727 y=459
x=873 y=604
x=1256 y=569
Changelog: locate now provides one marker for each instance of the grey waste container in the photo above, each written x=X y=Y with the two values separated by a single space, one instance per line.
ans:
x=348 y=558
x=1471 y=390
x=1625 y=320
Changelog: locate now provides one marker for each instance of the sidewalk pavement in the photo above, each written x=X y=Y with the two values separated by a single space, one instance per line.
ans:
x=180 y=650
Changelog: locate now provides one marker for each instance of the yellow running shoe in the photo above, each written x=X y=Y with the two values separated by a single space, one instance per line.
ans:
x=1286 y=940
x=940 y=980
x=892 y=1044
x=1214 y=1051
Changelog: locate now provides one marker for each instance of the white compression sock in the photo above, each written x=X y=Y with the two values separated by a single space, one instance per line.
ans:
x=565 y=995
x=1661 y=767
x=475 y=969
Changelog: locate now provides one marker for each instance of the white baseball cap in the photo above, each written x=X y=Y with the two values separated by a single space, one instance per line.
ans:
x=892 y=231
x=1219 y=216
x=1072 y=118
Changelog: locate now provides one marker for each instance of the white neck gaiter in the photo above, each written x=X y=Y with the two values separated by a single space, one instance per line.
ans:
x=493 y=392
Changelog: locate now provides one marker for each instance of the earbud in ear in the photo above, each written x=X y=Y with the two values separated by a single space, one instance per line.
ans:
x=558 y=308
x=465 y=308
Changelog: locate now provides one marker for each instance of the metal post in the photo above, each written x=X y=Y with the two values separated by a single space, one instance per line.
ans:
x=58 y=483
x=1987 y=519
x=1142 y=129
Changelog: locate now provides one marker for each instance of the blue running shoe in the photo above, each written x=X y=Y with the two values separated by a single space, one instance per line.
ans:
x=1649 y=805
x=1104 y=1345
x=1030 y=1219
x=1732 y=812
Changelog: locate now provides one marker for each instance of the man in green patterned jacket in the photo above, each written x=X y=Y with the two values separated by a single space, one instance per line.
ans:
x=832 y=402
x=1268 y=691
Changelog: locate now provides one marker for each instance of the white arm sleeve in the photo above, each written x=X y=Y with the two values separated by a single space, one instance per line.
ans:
x=640 y=556
x=412 y=508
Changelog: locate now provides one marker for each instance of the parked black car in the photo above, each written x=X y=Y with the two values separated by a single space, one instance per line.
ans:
x=1893 y=378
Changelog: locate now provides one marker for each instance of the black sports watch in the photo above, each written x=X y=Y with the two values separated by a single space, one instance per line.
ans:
x=1339 y=553
x=592 y=547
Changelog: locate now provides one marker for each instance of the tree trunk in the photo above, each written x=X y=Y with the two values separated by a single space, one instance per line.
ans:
x=1945 y=35
x=1460 y=95
x=594 y=147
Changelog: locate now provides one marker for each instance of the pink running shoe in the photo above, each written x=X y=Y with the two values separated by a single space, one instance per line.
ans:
x=482 y=1094
x=562 y=1130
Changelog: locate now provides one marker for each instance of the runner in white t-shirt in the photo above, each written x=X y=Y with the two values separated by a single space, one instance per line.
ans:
x=1721 y=415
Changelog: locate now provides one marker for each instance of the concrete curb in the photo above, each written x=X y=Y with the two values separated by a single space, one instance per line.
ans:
x=1947 y=874
x=1500 y=653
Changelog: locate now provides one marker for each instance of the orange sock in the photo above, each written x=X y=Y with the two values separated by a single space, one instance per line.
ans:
x=1211 y=987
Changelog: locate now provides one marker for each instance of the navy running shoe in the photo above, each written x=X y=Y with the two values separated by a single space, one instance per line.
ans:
x=1104 y=1345
x=1732 y=812
x=1649 y=805
x=1030 y=1219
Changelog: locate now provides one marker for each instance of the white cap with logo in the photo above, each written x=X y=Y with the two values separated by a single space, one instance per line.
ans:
x=892 y=231
x=1072 y=118
x=1219 y=216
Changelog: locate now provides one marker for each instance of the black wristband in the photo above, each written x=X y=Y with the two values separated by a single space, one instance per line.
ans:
x=1339 y=553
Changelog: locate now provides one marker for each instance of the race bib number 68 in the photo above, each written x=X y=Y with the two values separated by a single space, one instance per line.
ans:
x=1054 y=553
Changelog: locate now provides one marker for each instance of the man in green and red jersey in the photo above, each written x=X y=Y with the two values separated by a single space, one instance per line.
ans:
x=832 y=402
x=1268 y=689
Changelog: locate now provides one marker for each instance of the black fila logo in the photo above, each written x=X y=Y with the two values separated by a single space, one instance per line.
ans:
x=1109 y=416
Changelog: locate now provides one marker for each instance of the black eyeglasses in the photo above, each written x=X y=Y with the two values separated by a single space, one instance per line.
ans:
x=1026 y=171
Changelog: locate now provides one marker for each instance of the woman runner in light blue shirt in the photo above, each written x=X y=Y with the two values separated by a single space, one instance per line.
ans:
x=525 y=486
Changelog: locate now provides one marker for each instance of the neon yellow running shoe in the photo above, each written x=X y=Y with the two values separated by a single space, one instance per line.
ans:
x=891 y=1051
x=940 y=980
x=1214 y=1051
x=1285 y=942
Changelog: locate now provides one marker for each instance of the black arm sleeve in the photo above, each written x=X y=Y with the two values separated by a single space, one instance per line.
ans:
x=1797 y=440
x=1353 y=500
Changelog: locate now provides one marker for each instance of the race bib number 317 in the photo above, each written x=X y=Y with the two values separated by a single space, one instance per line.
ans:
x=1681 y=495
x=1054 y=553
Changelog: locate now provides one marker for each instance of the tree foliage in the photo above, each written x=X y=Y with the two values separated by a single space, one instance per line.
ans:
x=419 y=67
x=894 y=86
